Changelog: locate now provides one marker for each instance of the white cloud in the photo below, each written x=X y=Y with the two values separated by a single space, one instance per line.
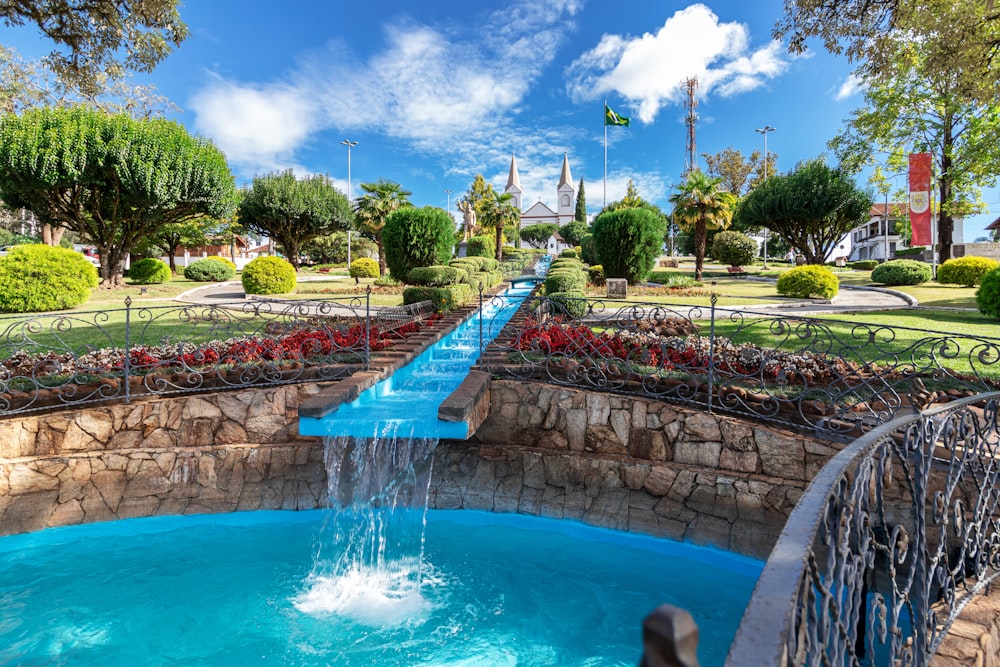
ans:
x=850 y=86
x=441 y=92
x=649 y=70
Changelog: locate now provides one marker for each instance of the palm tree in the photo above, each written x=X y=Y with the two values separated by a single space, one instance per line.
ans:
x=496 y=212
x=700 y=205
x=373 y=208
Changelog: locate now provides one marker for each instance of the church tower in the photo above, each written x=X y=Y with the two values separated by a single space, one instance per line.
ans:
x=566 y=194
x=514 y=184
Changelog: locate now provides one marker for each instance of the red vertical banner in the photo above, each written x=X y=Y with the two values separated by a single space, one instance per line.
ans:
x=920 y=198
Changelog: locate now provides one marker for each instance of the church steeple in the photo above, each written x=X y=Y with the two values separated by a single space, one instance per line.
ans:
x=514 y=184
x=565 y=194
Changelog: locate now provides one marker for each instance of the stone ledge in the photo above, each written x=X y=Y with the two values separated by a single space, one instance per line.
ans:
x=344 y=391
x=469 y=403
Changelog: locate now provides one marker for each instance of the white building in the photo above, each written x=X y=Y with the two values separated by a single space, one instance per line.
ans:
x=879 y=239
x=539 y=212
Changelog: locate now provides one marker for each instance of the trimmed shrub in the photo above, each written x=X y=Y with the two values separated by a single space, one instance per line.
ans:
x=269 y=275
x=511 y=253
x=671 y=279
x=901 y=272
x=208 y=271
x=864 y=264
x=444 y=298
x=363 y=267
x=415 y=237
x=808 y=281
x=37 y=278
x=572 y=303
x=595 y=275
x=734 y=248
x=965 y=271
x=988 y=294
x=490 y=264
x=474 y=260
x=569 y=252
x=628 y=242
x=434 y=276
x=909 y=252
x=225 y=260
x=481 y=246
x=564 y=281
x=149 y=271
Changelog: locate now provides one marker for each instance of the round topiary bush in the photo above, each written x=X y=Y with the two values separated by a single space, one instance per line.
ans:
x=965 y=271
x=569 y=252
x=415 y=237
x=208 y=271
x=572 y=303
x=595 y=274
x=864 y=264
x=988 y=294
x=734 y=248
x=225 y=260
x=811 y=280
x=36 y=278
x=268 y=275
x=149 y=271
x=363 y=267
x=564 y=281
x=481 y=246
x=434 y=276
x=901 y=272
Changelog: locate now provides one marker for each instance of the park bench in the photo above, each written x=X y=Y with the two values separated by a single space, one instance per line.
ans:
x=393 y=317
x=736 y=271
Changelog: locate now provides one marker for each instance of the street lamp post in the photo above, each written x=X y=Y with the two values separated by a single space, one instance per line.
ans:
x=448 y=207
x=764 y=130
x=350 y=144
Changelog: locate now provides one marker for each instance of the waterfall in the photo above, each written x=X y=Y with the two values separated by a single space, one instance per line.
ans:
x=369 y=564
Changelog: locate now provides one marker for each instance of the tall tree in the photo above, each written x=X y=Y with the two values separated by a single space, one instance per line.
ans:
x=812 y=208
x=111 y=179
x=957 y=36
x=372 y=209
x=739 y=174
x=580 y=214
x=294 y=211
x=169 y=239
x=701 y=204
x=498 y=211
x=573 y=232
x=100 y=40
x=920 y=110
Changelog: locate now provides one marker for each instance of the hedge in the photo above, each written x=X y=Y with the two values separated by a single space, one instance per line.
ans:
x=208 y=271
x=901 y=272
x=269 y=275
x=966 y=271
x=434 y=276
x=38 y=278
x=444 y=298
x=149 y=271
x=809 y=281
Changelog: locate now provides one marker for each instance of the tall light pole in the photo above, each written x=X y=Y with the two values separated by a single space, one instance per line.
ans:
x=764 y=130
x=351 y=144
x=448 y=207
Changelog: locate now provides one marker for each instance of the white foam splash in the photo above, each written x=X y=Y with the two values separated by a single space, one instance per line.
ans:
x=368 y=597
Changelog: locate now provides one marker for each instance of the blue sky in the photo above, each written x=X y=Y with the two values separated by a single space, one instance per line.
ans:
x=438 y=91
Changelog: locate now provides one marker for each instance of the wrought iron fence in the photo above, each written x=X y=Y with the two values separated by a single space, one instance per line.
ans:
x=838 y=378
x=889 y=543
x=64 y=359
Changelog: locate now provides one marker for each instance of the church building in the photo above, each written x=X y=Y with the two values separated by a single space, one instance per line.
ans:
x=539 y=212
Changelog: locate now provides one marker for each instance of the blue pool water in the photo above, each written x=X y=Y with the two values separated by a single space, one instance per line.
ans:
x=241 y=589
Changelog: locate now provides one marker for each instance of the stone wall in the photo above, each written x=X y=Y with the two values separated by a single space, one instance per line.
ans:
x=631 y=464
x=209 y=453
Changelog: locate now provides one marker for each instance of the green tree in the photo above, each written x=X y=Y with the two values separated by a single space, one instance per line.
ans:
x=100 y=40
x=498 y=211
x=538 y=235
x=417 y=237
x=580 y=214
x=739 y=174
x=811 y=208
x=373 y=208
x=699 y=205
x=572 y=232
x=171 y=238
x=112 y=179
x=628 y=242
x=294 y=211
x=959 y=37
x=922 y=110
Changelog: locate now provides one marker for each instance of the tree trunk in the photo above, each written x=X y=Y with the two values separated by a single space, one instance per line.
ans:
x=499 y=250
x=52 y=234
x=946 y=225
x=171 y=260
x=381 y=254
x=699 y=249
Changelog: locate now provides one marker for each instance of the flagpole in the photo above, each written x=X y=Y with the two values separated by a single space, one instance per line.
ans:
x=605 y=153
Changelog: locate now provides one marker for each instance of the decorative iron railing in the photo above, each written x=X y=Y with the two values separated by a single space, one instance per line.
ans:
x=890 y=542
x=64 y=359
x=838 y=378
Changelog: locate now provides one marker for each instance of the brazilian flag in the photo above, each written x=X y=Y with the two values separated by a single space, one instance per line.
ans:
x=612 y=118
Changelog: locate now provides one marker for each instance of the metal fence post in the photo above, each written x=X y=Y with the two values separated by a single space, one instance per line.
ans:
x=480 y=320
x=128 y=349
x=368 y=328
x=711 y=349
